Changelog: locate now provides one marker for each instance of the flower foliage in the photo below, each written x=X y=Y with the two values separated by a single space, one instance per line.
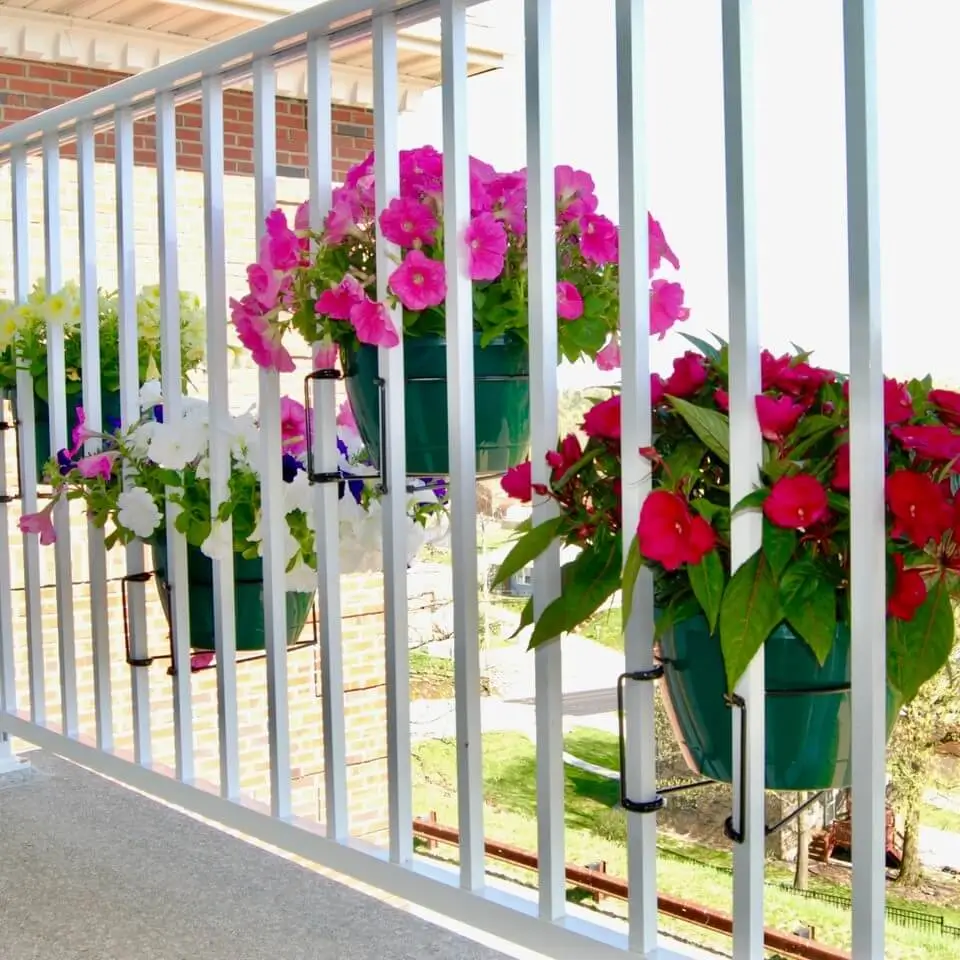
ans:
x=167 y=458
x=801 y=574
x=23 y=331
x=324 y=284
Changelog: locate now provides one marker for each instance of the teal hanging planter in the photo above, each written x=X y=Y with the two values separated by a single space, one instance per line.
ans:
x=247 y=596
x=501 y=396
x=808 y=716
x=110 y=407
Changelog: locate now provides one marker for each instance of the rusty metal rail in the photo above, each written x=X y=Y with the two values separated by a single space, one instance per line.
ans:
x=786 y=945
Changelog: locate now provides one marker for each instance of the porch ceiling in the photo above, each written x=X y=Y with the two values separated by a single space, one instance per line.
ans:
x=145 y=33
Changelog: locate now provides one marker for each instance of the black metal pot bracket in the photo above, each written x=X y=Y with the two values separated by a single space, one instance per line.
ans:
x=658 y=802
x=171 y=656
x=735 y=701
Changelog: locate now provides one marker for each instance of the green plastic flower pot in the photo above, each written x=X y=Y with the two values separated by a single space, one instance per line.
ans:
x=808 y=718
x=247 y=597
x=501 y=394
x=110 y=406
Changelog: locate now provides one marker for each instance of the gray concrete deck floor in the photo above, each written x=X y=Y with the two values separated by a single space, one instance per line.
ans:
x=92 y=871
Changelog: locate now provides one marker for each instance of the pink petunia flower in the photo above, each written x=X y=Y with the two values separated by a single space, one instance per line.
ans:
x=280 y=247
x=486 y=242
x=419 y=282
x=40 y=523
x=97 y=465
x=337 y=302
x=609 y=357
x=325 y=355
x=80 y=434
x=406 y=222
x=599 y=241
x=339 y=221
x=346 y=418
x=666 y=306
x=575 y=193
x=569 y=301
x=293 y=426
x=261 y=337
x=373 y=324
x=421 y=172
x=659 y=249
x=301 y=220
x=265 y=285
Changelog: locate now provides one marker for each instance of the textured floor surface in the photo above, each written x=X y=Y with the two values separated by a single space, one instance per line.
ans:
x=91 y=871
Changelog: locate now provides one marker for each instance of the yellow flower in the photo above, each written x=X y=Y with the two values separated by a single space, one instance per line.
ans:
x=10 y=322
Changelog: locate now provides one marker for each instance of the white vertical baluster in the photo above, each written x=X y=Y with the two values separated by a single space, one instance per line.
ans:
x=8 y=686
x=326 y=509
x=135 y=613
x=26 y=428
x=541 y=227
x=463 y=466
x=745 y=457
x=393 y=459
x=59 y=435
x=218 y=394
x=867 y=512
x=636 y=431
x=92 y=408
x=170 y=362
x=271 y=454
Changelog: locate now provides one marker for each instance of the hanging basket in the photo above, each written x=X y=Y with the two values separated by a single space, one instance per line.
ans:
x=808 y=716
x=501 y=397
x=247 y=596
x=110 y=406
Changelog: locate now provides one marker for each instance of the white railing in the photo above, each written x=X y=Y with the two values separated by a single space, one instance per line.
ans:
x=549 y=924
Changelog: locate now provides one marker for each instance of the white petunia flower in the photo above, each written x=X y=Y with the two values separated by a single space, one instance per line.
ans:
x=301 y=579
x=219 y=544
x=175 y=444
x=151 y=394
x=137 y=512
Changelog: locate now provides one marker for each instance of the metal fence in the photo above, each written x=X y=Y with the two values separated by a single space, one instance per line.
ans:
x=547 y=923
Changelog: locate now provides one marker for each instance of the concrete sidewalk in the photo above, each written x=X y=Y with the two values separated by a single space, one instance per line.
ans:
x=92 y=871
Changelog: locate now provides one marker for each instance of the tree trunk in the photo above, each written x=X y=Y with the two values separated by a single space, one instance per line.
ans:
x=801 y=877
x=911 y=872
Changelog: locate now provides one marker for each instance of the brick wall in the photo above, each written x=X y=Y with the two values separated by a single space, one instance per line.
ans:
x=28 y=87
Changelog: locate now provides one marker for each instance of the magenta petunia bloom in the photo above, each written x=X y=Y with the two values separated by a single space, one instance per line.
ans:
x=486 y=241
x=406 y=222
x=373 y=324
x=262 y=338
x=419 y=282
x=599 y=241
x=666 y=306
x=569 y=301
x=609 y=357
x=337 y=302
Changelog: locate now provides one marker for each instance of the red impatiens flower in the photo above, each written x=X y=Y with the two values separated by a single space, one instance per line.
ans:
x=566 y=457
x=657 y=389
x=947 y=403
x=897 y=401
x=603 y=420
x=841 y=470
x=517 y=482
x=781 y=373
x=796 y=502
x=929 y=442
x=778 y=416
x=920 y=512
x=689 y=375
x=909 y=592
x=670 y=533
x=722 y=399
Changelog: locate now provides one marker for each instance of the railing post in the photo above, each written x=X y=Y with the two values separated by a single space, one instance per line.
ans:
x=745 y=460
x=867 y=477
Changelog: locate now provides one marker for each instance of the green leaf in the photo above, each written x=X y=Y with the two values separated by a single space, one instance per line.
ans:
x=918 y=648
x=778 y=547
x=631 y=570
x=595 y=576
x=526 y=618
x=810 y=606
x=707 y=581
x=748 y=615
x=528 y=548
x=682 y=462
x=711 y=426
x=707 y=349
x=752 y=500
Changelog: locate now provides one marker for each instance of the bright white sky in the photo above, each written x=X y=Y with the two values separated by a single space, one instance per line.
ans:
x=799 y=159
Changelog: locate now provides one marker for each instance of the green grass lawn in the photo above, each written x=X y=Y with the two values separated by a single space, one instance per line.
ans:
x=604 y=627
x=597 y=831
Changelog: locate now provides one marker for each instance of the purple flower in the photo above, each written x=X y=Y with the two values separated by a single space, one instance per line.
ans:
x=291 y=467
x=66 y=462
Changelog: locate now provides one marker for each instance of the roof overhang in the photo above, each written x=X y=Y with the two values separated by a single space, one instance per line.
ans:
x=180 y=27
